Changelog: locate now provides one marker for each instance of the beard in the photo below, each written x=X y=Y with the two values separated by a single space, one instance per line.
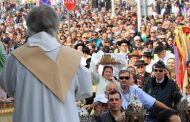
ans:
x=124 y=87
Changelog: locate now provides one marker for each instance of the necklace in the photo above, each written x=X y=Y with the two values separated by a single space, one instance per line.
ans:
x=126 y=96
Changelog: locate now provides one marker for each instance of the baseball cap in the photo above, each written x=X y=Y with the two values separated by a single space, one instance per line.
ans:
x=100 y=98
x=137 y=38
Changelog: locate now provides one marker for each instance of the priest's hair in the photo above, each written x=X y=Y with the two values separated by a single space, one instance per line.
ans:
x=42 y=18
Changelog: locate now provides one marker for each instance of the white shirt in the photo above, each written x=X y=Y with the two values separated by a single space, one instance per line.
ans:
x=147 y=100
x=99 y=80
x=125 y=54
x=175 y=10
x=160 y=80
x=149 y=66
x=167 y=56
x=83 y=60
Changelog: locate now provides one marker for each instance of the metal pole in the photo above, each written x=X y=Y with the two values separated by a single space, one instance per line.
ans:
x=113 y=8
x=139 y=14
x=145 y=10
x=68 y=15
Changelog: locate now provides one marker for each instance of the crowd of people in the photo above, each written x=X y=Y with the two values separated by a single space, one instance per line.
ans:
x=148 y=71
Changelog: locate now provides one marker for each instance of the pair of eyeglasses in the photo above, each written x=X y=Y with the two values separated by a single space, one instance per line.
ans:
x=124 y=77
x=162 y=38
x=160 y=70
x=152 y=32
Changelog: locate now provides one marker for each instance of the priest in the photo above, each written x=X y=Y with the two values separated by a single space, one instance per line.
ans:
x=44 y=77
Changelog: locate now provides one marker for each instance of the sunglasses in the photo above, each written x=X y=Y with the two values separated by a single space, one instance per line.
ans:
x=152 y=32
x=124 y=77
x=160 y=70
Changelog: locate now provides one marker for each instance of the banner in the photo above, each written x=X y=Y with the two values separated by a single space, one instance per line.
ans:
x=182 y=55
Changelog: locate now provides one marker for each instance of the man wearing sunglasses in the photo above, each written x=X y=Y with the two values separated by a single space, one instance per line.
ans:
x=128 y=92
x=162 y=89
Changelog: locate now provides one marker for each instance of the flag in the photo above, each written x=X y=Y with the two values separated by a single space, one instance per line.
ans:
x=182 y=54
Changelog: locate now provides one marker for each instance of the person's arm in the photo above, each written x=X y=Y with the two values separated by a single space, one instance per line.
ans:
x=94 y=72
x=148 y=101
x=160 y=105
x=8 y=76
x=83 y=83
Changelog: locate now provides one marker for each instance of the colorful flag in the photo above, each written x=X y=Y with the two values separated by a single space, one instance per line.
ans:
x=182 y=54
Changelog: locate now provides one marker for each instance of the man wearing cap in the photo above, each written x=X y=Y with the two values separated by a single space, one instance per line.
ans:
x=101 y=101
x=162 y=89
x=162 y=54
x=133 y=57
x=123 y=47
x=142 y=75
x=99 y=105
x=124 y=50
x=147 y=57
x=137 y=42
x=79 y=46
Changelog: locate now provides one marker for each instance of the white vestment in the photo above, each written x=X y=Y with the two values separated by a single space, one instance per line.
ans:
x=34 y=102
